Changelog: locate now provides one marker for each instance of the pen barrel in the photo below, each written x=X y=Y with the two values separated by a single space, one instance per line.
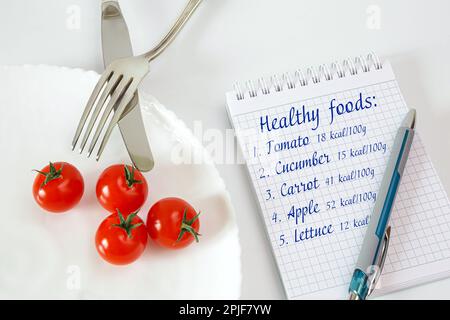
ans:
x=368 y=259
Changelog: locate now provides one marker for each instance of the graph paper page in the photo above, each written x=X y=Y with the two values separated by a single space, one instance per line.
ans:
x=316 y=156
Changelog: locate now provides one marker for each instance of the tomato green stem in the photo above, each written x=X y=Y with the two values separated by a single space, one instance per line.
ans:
x=52 y=174
x=186 y=226
x=126 y=224
x=129 y=176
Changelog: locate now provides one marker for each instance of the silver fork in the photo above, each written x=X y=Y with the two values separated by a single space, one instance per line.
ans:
x=119 y=82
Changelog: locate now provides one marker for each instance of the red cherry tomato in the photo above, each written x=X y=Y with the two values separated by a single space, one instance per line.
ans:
x=58 y=187
x=123 y=188
x=173 y=223
x=121 y=240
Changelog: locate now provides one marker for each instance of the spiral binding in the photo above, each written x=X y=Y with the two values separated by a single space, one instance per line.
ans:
x=288 y=81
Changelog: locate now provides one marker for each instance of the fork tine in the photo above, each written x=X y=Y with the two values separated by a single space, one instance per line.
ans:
x=98 y=87
x=121 y=88
x=127 y=97
x=110 y=87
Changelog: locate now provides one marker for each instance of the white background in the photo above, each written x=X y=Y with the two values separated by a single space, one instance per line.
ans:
x=229 y=40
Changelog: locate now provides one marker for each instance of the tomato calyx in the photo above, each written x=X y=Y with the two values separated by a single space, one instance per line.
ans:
x=129 y=176
x=52 y=174
x=126 y=224
x=186 y=226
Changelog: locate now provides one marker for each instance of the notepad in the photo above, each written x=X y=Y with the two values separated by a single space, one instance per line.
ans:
x=316 y=144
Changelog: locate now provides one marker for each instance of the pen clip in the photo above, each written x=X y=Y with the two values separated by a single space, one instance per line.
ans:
x=382 y=259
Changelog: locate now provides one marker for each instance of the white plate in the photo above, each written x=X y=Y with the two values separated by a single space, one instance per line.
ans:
x=47 y=255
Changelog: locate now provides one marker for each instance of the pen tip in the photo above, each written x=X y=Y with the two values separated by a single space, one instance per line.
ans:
x=413 y=124
x=410 y=119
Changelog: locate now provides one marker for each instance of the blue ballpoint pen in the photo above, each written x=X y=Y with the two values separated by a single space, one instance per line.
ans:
x=374 y=248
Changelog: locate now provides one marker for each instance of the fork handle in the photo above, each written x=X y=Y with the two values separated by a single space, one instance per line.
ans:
x=181 y=21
